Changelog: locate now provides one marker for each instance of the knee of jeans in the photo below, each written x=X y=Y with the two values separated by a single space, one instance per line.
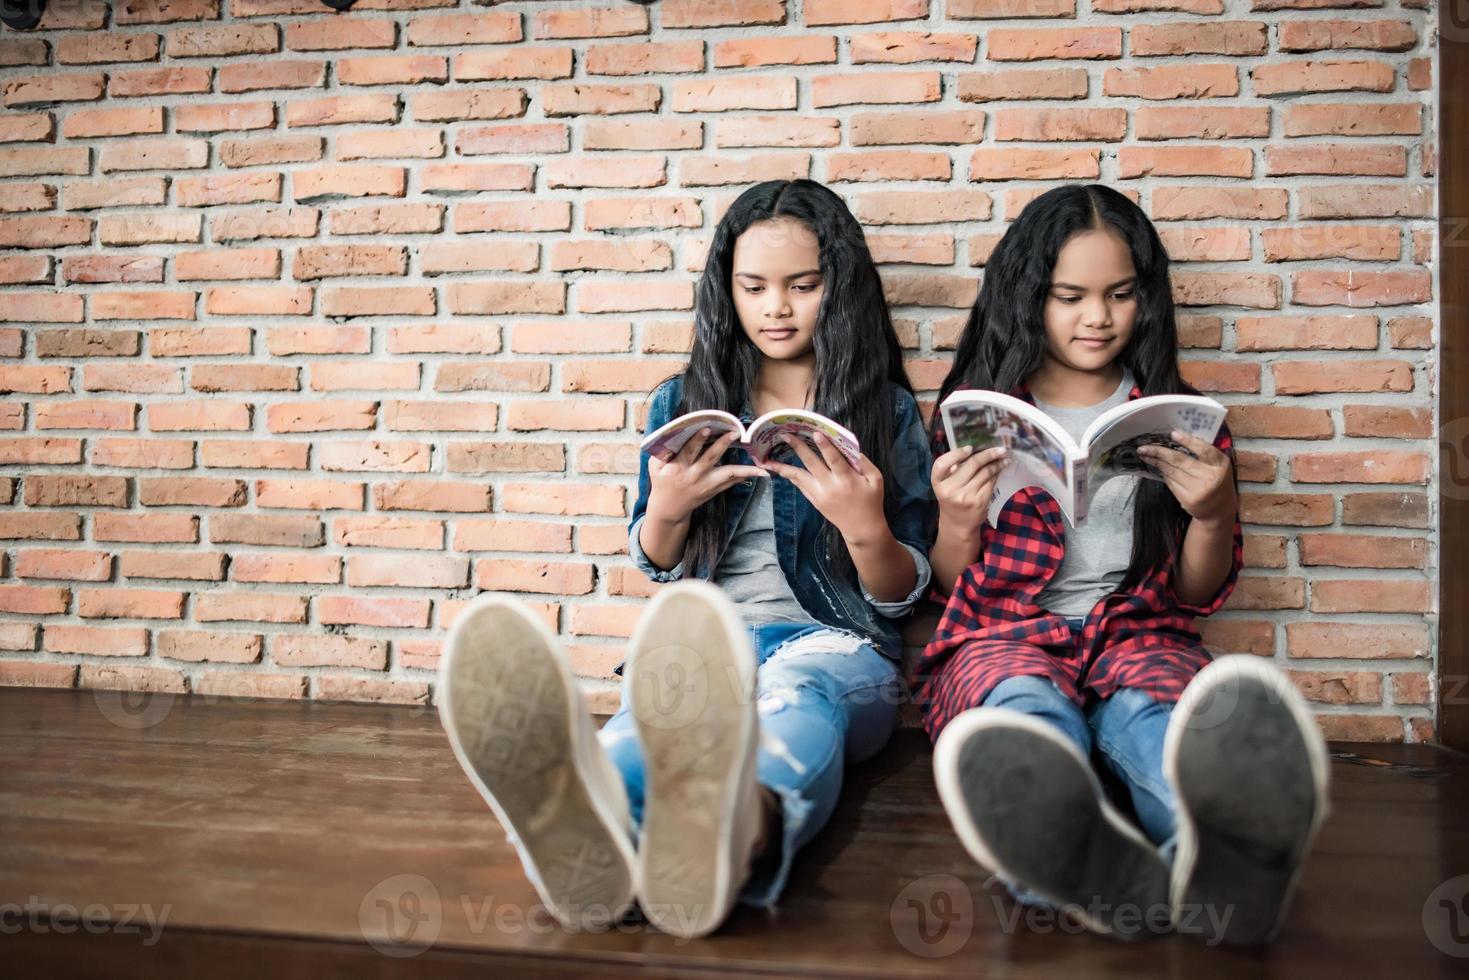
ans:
x=1026 y=690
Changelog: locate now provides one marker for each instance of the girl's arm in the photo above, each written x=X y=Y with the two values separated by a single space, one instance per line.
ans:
x=963 y=483
x=851 y=498
x=1204 y=486
x=680 y=486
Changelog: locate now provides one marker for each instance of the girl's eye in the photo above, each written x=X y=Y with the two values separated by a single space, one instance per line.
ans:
x=1124 y=296
x=753 y=289
x=805 y=287
x=1069 y=299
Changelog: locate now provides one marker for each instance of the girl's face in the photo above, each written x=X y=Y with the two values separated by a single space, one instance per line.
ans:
x=777 y=285
x=1090 y=310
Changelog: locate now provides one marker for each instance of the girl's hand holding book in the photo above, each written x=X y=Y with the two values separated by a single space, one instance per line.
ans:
x=1202 y=482
x=846 y=495
x=693 y=476
x=963 y=483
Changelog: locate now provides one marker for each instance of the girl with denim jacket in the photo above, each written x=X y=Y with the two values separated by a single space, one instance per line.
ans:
x=771 y=660
x=1058 y=643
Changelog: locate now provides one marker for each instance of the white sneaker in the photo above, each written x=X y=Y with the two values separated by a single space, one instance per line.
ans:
x=691 y=680
x=516 y=721
x=1248 y=765
x=1026 y=804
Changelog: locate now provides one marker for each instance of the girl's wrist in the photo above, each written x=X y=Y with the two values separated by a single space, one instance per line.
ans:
x=960 y=532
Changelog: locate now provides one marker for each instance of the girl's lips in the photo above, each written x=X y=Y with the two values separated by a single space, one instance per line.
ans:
x=1096 y=343
x=779 y=334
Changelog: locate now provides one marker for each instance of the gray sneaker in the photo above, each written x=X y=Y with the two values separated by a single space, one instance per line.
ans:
x=515 y=719
x=1248 y=765
x=1026 y=804
x=691 y=680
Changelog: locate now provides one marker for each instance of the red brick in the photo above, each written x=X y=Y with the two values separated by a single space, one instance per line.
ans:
x=1298 y=77
x=172 y=564
x=555 y=578
x=347 y=376
x=29 y=127
x=472 y=338
x=590 y=22
x=171 y=454
x=227 y=189
x=39 y=308
x=581 y=415
x=34 y=600
x=388 y=144
x=303 y=569
x=86 y=414
x=512 y=535
x=254 y=224
x=598 y=215
x=887 y=88
x=820 y=13
x=457 y=29
x=1328 y=119
x=1023 y=83
x=61 y=490
x=388 y=219
x=46 y=89
x=195 y=491
x=561 y=498
x=253 y=686
x=1362 y=595
x=377 y=531
x=44 y=232
x=337 y=182
x=27 y=673
x=36 y=162
x=1336 y=159
x=154 y=154
x=424 y=572
x=164 y=11
x=411 y=69
x=1046 y=125
x=266 y=74
x=27 y=197
x=408 y=416
x=1033 y=44
x=347 y=301
x=503 y=257
x=469 y=104
x=432 y=495
x=1311 y=377
x=1386 y=509
x=339 y=33
x=88 y=123
x=231 y=39
x=228 y=263
x=1374 y=466
x=734 y=93
x=30 y=269
x=923 y=207
x=1307 y=333
x=309 y=494
x=1169 y=122
x=1183 y=81
x=374 y=456
x=243 y=454
x=1295 y=509
x=1325 y=35
x=1223 y=376
x=595 y=100
x=1361 y=289
x=151 y=528
x=513 y=63
x=1387 y=422
x=146 y=229
x=505 y=457
x=1355 y=641
x=39 y=527
x=1233 y=38
x=217 y=118
x=1363 y=551
x=199 y=342
x=95 y=640
x=119 y=603
x=551 y=137
x=160 y=81
x=645 y=57
x=197 y=646
x=329 y=651
x=259 y=300
x=1194 y=203
x=687 y=14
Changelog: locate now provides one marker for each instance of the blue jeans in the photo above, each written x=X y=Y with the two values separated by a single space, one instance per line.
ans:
x=825 y=699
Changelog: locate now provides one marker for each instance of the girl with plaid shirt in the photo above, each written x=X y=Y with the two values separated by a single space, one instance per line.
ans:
x=1062 y=645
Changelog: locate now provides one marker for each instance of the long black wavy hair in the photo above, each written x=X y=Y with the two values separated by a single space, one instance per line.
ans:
x=857 y=350
x=1004 y=342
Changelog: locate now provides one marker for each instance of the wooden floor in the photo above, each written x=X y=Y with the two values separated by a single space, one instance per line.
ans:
x=277 y=838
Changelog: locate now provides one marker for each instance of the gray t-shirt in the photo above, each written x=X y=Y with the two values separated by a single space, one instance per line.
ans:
x=750 y=573
x=1098 y=552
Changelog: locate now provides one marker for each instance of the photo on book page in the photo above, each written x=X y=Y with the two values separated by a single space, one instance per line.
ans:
x=987 y=426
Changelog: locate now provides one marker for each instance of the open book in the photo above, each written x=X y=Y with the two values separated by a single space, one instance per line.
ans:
x=761 y=439
x=1043 y=454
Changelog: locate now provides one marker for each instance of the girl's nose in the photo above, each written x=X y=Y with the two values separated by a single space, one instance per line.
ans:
x=776 y=306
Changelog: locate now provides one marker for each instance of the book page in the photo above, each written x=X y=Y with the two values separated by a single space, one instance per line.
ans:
x=665 y=443
x=767 y=431
x=1037 y=458
x=1113 y=439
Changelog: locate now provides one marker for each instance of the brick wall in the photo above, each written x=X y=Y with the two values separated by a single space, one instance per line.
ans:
x=316 y=324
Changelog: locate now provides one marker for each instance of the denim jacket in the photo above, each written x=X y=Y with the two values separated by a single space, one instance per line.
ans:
x=800 y=531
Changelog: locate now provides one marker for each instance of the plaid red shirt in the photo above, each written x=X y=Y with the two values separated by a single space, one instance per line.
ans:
x=992 y=629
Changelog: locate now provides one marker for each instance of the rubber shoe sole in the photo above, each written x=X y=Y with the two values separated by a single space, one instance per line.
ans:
x=1026 y=804
x=691 y=671
x=1249 y=768
x=510 y=707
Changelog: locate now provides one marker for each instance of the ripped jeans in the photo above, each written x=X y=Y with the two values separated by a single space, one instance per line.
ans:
x=826 y=699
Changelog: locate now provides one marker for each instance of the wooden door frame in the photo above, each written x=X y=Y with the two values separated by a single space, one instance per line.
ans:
x=1453 y=373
